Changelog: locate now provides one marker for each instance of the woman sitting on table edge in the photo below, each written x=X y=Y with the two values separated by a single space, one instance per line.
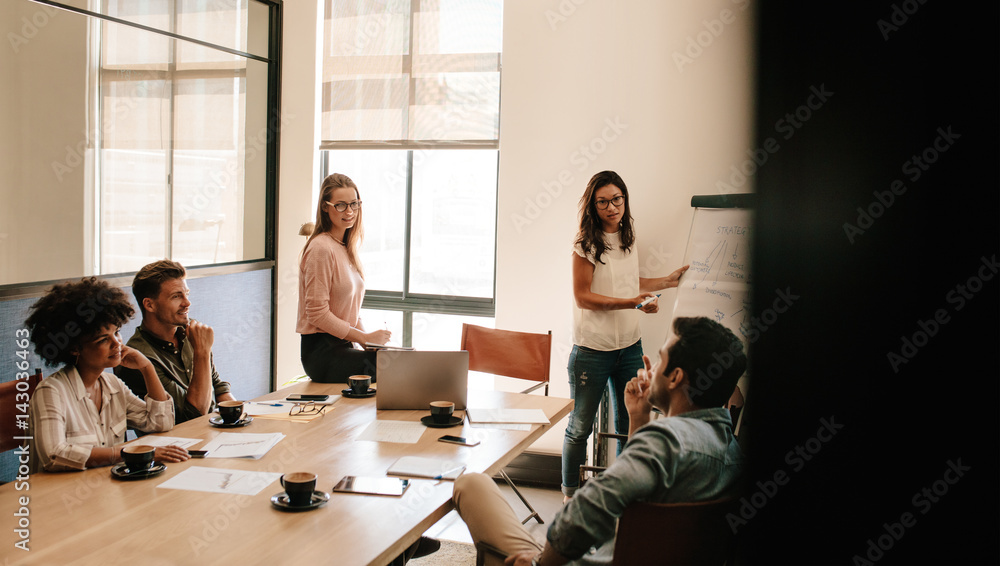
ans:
x=332 y=288
x=78 y=414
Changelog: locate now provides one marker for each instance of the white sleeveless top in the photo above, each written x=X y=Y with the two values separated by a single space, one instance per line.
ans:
x=617 y=276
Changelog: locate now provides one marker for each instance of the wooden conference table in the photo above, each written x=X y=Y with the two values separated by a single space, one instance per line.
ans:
x=90 y=518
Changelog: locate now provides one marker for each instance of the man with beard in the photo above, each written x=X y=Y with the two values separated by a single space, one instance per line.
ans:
x=179 y=347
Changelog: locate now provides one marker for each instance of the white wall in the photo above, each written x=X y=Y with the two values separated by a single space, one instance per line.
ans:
x=602 y=74
x=298 y=169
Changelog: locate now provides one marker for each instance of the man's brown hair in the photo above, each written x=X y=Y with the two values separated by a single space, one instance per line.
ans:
x=150 y=278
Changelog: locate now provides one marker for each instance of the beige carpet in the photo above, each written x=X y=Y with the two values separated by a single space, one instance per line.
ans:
x=451 y=554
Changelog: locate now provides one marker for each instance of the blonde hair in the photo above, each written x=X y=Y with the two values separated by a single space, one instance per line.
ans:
x=355 y=234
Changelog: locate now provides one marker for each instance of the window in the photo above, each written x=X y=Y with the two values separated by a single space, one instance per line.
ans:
x=411 y=113
x=182 y=137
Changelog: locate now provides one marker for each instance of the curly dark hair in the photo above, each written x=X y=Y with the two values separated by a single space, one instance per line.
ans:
x=71 y=313
x=711 y=356
x=591 y=234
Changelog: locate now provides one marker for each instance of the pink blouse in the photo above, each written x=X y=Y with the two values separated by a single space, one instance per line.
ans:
x=330 y=289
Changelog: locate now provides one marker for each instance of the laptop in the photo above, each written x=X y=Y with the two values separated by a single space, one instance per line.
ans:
x=411 y=379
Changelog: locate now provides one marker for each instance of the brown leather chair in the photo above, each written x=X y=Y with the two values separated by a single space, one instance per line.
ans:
x=521 y=355
x=663 y=534
x=693 y=534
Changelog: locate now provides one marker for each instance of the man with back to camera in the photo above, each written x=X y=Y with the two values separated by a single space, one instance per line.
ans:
x=689 y=456
x=179 y=347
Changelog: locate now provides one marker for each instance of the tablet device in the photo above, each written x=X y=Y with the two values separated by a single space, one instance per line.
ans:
x=372 y=485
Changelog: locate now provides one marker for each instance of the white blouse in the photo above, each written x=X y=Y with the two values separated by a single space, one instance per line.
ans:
x=617 y=276
x=65 y=425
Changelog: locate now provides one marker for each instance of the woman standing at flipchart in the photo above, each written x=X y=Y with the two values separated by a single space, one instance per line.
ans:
x=608 y=290
x=332 y=287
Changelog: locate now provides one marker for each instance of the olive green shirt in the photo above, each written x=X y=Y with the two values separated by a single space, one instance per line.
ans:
x=175 y=369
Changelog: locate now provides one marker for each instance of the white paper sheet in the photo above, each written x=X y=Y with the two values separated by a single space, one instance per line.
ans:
x=530 y=416
x=502 y=426
x=257 y=409
x=241 y=445
x=407 y=432
x=218 y=480
x=166 y=441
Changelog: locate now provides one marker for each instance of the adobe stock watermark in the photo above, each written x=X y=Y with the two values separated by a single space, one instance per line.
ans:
x=797 y=458
x=582 y=158
x=563 y=11
x=959 y=296
x=788 y=125
x=913 y=168
x=899 y=14
x=696 y=45
x=30 y=27
x=924 y=500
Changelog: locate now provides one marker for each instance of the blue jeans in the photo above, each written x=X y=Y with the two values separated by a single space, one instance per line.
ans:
x=589 y=373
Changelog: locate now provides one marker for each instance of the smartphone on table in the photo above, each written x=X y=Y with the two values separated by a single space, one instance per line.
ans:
x=457 y=440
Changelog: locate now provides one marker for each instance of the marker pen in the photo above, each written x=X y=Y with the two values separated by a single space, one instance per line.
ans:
x=647 y=301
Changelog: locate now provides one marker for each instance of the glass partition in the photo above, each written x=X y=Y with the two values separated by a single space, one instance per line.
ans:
x=123 y=145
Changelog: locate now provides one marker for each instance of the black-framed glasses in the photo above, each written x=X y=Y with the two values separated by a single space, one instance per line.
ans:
x=603 y=204
x=342 y=206
x=306 y=409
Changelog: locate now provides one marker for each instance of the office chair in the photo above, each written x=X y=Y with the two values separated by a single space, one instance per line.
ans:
x=9 y=411
x=685 y=533
x=521 y=355
x=662 y=534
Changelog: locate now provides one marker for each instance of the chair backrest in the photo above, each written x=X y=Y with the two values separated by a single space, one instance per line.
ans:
x=675 y=533
x=523 y=355
x=12 y=406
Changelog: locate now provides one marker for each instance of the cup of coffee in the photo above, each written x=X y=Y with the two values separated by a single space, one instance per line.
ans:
x=231 y=411
x=441 y=411
x=359 y=384
x=299 y=486
x=138 y=457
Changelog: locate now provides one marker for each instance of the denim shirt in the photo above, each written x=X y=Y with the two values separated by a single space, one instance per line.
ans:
x=686 y=458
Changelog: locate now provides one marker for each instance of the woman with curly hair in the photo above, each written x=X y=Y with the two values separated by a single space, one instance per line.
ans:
x=332 y=287
x=609 y=295
x=79 y=414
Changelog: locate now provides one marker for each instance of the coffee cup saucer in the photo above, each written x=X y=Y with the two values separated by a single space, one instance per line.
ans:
x=350 y=394
x=280 y=500
x=120 y=471
x=217 y=421
x=452 y=421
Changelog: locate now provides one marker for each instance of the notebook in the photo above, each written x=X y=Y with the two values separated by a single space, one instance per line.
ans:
x=410 y=380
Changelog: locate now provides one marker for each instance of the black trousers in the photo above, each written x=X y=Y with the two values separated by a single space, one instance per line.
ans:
x=328 y=359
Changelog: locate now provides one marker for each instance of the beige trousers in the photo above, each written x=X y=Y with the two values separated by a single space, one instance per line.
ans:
x=488 y=515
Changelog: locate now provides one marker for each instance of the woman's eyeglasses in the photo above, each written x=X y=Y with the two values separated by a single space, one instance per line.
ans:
x=603 y=204
x=342 y=206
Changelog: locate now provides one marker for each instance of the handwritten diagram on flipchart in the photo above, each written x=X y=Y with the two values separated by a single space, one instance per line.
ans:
x=718 y=283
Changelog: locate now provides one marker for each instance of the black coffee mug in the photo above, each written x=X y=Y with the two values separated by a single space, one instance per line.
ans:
x=138 y=457
x=441 y=411
x=231 y=411
x=359 y=384
x=300 y=487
